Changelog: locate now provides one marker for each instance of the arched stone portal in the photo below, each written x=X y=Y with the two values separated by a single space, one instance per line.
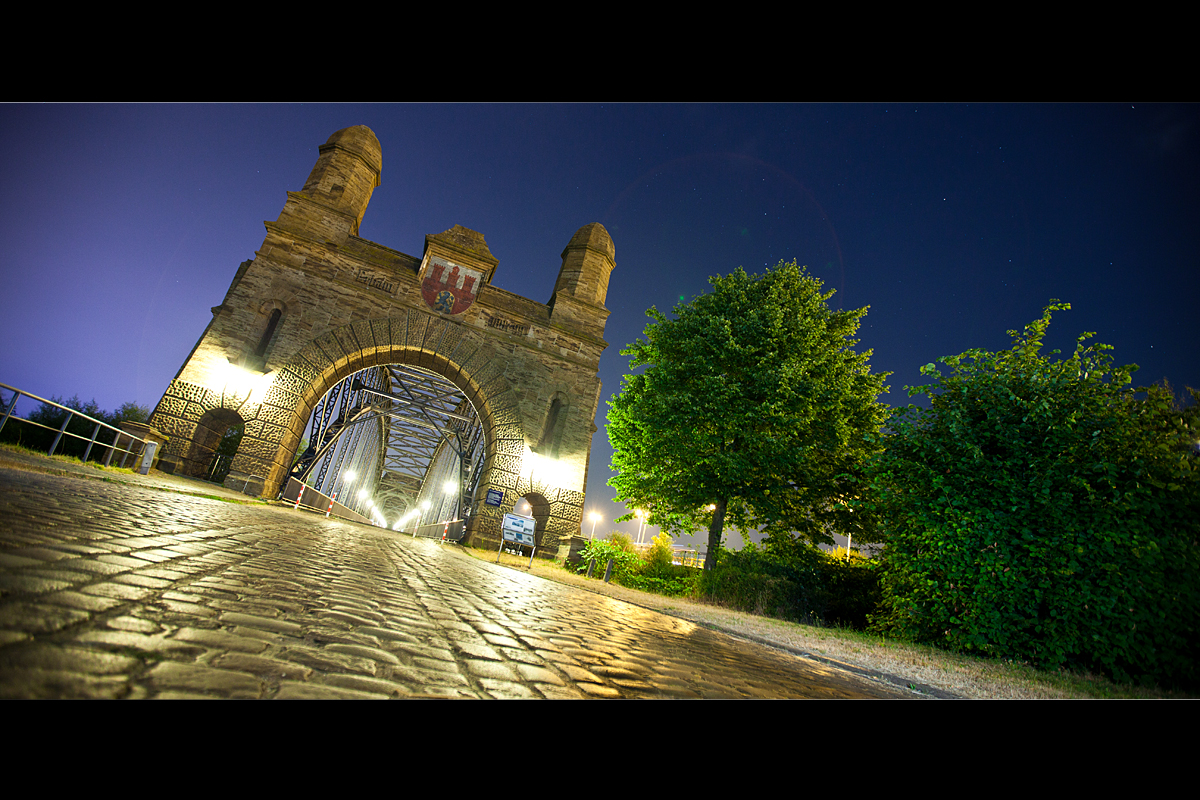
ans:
x=317 y=303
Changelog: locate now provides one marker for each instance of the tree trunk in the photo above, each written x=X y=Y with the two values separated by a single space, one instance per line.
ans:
x=714 y=535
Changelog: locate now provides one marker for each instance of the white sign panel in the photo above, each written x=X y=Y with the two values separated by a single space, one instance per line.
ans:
x=516 y=528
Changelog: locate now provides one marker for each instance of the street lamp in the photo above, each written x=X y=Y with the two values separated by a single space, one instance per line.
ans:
x=594 y=517
x=641 y=515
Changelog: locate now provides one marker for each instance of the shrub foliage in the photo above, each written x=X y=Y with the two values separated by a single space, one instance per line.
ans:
x=803 y=584
x=655 y=573
x=1042 y=511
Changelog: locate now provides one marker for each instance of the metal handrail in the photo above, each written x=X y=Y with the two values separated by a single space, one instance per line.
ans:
x=71 y=413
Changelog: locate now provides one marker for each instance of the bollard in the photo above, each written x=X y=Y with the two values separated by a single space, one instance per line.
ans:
x=299 y=495
x=148 y=458
x=330 y=505
x=591 y=566
x=608 y=571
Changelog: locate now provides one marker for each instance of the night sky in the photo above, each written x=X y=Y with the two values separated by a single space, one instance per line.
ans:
x=124 y=224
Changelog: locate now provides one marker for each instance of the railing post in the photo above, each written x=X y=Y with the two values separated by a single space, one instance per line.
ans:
x=95 y=433
x=54 y=446
x=11 y=406
x=112 y=448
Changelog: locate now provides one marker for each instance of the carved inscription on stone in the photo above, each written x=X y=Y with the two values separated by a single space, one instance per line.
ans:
x=508 y=326
x=375 y=281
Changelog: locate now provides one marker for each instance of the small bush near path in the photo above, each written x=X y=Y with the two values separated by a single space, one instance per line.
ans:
x=655 y=573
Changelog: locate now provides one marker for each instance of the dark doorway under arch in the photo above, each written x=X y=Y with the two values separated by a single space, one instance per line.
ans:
x=211 y=435
x=535 y=505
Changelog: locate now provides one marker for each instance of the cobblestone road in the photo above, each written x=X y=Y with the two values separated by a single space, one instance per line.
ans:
x=116 y=591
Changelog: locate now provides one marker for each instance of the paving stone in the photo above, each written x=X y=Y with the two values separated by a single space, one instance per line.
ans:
x=26 y=583
x=539 y=675
x=57 y=658
x=369 y=685
x=39 y=618
x=37 y=684
x=171 y=675
x=507 y=690
x=313 y=691
x=117 y=591
x=477 y=651
x=220 y=639
x=329 y=662
x=257 y=665
x=373 y=653
x=135 y=624
x=262 y=623
x=137 y=579
x=130 y=640
x=11 y=561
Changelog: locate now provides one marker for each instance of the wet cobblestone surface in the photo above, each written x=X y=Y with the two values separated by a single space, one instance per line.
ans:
x=110 y=590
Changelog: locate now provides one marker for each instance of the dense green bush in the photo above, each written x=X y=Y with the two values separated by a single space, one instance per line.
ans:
x=802 y=583
x=852 y=591
x=1039 y=510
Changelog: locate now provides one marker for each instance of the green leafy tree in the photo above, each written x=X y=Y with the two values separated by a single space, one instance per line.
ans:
x=1043 y=511
x=753 y=408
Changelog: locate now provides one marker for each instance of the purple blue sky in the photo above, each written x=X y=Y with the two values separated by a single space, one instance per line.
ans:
x=123 y=224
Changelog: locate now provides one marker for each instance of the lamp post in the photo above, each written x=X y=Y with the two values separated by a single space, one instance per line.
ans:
x=641 y=515
x=594 y=517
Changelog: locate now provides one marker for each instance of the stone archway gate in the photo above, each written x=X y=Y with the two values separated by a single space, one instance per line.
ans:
x=318 y=303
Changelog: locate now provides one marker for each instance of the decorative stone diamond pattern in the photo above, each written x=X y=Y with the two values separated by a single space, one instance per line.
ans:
x=293 y=379
x=261 y=451
x=343 y=340
x=381 y=332
x=509 y=431
x=488 y=367
x=560 y=527
x=193 y=412
x=278 y=401
x=510 y=447
x=450 y=339
x=510 y=464
x=415 y=333
x=365 y=336
x=431 y=337
x=172 y=406
x=507 y=418
x=188 y=391
x=314 y=356
x=477 y=365
x=567 y=509
x=247 y=410
x=175 y=428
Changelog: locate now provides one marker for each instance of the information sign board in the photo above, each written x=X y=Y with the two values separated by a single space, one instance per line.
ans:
x=518 y=529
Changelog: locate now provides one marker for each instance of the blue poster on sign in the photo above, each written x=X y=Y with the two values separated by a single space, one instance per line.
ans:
x=494 y=497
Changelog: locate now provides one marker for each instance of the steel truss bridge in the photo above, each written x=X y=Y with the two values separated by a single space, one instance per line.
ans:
x=396 y=443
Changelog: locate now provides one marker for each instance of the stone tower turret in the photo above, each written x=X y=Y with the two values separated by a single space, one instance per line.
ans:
x=582 y=285
x=345 y=175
